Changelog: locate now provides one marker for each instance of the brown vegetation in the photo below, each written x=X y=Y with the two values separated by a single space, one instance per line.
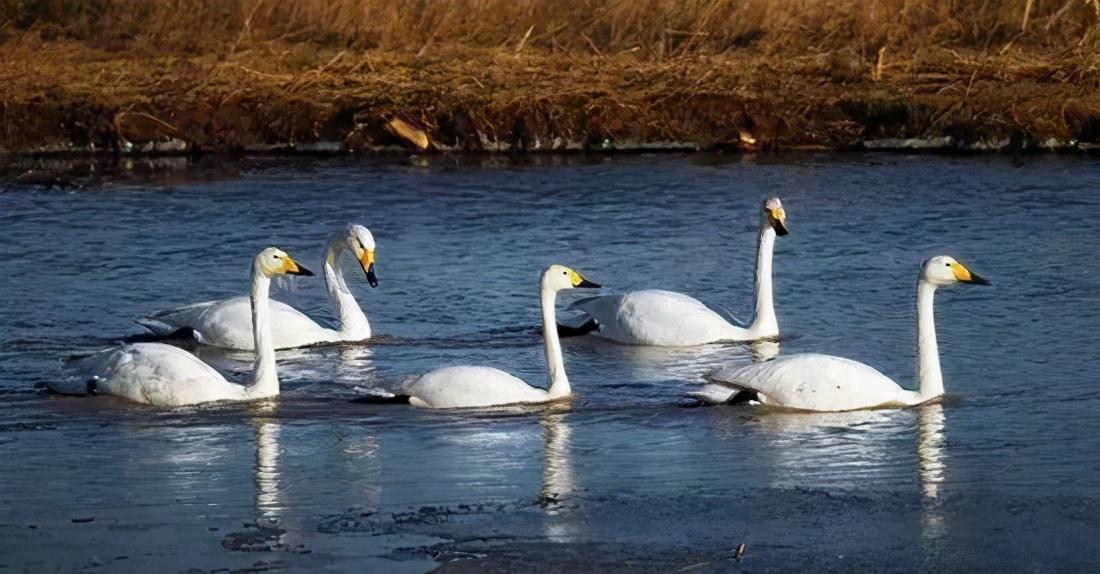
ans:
x=504 y=74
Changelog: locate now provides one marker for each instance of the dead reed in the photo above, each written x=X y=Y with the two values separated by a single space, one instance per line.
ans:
x=650 y=29
x=528 y=73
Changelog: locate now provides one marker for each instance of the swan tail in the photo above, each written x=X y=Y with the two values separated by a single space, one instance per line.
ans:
x=73 y=386
x=732 y=381
x=154 y=335
x=566 y=330
x=382 y=398
x=715 y=394
x=157 y=327
x=78 y=378
x=579 y=319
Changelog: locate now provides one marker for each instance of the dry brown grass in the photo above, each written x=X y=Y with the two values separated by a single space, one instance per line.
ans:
x=224 y=73
x=654 y=28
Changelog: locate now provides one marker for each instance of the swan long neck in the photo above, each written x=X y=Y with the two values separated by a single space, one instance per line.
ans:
x=555 y=365
x=764 y=323
x=928 y=354
x=353 y=322
x=265 y=379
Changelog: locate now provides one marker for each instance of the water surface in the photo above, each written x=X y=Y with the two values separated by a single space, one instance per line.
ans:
x=1004 y=474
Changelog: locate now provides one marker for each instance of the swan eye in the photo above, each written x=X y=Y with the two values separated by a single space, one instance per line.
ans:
x=947 y=264
x=277 y=257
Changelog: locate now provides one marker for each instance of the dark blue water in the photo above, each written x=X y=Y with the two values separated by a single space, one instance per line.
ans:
x=1008 y=465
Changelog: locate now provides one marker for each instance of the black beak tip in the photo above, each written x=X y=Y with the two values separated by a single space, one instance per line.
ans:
x=372 y=279
x=586 y=284
x=303 y=272
x=977 y=280
x=780 y=228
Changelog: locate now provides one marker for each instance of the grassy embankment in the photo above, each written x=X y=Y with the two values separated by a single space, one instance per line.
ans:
x=538 y=74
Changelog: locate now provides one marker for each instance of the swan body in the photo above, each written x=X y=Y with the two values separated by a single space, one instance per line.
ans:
x=825 y=383
x=156 y=374
x=474 y=386
x=658 y=318
x=471 y=386
x=163 y=375
x=816 y=382
x=227 y=323
x=665 y=318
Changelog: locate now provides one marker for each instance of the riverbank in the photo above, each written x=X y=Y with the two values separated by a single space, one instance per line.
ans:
x=863 y=85
x=62 y=97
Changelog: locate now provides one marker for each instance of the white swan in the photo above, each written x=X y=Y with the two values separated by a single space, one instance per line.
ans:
x=470 y=386
x=163 y=375
x=664 y=318
x=228 y=323
x=814 y=382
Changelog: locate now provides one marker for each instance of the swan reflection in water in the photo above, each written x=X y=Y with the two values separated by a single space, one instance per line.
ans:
x=347 y=369
x=234 y=360
x=325 y=370
x=852 y=450
x=559 y=480
x=846 y=450
x=930 y=452
x=654 y=364
x=355 y=369
x=269 y=502
x=279 y=527
x=932 y=464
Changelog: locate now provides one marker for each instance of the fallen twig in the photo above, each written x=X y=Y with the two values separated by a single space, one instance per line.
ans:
x=523 y=41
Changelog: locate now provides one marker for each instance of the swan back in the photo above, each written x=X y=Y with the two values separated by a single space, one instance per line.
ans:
x=657 y=317
x=151 y=373
x=470 y=386
x=815 y=382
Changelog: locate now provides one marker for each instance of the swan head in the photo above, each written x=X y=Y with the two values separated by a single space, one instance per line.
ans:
x=361 y=243
x=558 y=277
x=774 y=215
x=274 y=261
x=945 y=270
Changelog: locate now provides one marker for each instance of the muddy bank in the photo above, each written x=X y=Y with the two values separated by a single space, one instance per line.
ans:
x=64 y=96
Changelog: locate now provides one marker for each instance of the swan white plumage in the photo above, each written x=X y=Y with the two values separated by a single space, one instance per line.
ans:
x=227 y=323
x=163 y=375
x=473 y=386
x=813 y=382
x=665 y=318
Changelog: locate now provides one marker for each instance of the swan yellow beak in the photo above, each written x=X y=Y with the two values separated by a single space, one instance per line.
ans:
x=579 y=281
x=367 y=258
x=964 y=275
x=291 y=267
x=778 y=217
x=367 y=261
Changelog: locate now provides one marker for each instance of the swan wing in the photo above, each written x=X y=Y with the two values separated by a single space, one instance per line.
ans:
x=227 y=323
x=814 y=382
x=150 y=373
x=655 y=317
x=166 y=322
x=469 y=386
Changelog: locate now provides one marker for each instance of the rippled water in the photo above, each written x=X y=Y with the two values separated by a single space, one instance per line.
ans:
x=460 y=246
